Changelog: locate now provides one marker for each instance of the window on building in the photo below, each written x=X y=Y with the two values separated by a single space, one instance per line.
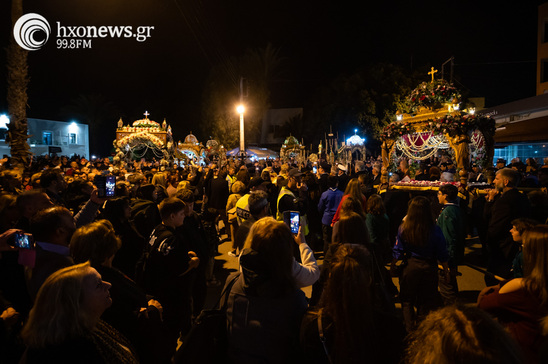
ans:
x=72 y=138
x=543 y=70
x=47 y=137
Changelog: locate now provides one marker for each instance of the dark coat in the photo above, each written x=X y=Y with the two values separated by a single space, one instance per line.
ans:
x=511 y=205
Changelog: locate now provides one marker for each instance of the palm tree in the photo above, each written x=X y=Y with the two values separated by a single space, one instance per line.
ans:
x=17 y=95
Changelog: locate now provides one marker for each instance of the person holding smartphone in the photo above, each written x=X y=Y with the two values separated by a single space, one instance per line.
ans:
x=294 y=197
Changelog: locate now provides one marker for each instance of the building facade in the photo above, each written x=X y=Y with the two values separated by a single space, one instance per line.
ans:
x=49 y=136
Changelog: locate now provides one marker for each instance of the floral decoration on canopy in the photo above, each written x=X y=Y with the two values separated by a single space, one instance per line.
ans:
x=431 y=95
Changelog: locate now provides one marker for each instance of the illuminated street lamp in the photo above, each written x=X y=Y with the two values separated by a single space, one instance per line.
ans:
x=241 y=110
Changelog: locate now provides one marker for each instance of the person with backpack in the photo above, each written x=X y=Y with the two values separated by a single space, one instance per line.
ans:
x=168 y=266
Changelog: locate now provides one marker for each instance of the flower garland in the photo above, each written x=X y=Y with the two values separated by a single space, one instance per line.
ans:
x=146 y=123
x=143 y=136
x=448 y=124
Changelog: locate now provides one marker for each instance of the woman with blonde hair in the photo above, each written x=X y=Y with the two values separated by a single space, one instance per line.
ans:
x=461 y=334
x=131 y=313
x=64 y=324
x=521 y=303
x=265 y=306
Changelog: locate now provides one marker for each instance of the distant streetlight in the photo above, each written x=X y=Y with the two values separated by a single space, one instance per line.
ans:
x=241 y=110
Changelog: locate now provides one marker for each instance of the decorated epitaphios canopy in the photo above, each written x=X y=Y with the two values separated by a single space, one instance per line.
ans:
x=432 y=118
x=143 y=138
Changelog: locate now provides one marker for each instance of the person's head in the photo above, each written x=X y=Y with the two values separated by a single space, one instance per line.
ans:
x=506 y=178
x=461 y=334
x=359 y=166
x=362 y=179
x=188 y=197
x=418 y=223
x=353 y=189
x=123 y=188
x=404 y=165
x=68 y=306
x=447 y=193
x=237 y=187
x=394 y=178
x=183 y=185
x=535 y=261
x=10 y=180
x=272 y=244
x=258 y=204
x=52 y=180
x=30 y=202
x=294 y=178
x=257 y=184
x=375 y=205
x=148 y=192
x=351 y=205
x=172 y=212
x=160 y=192
x=500 y=163
x=53 y=225
x=519 y=226
x=96 y=242
x=347 y=299
x=351 y=230
x=265 y=175
x=332 y=181
x=435 y=173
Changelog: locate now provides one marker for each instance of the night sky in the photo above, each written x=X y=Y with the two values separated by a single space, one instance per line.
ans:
x=493 y=42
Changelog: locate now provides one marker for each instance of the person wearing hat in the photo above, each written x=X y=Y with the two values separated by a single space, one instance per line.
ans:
x=288 y=200
x=501 y=163
x=476 y=175
x=343 y=177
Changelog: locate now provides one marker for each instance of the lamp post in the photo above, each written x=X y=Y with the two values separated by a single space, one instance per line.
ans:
x=241 y=110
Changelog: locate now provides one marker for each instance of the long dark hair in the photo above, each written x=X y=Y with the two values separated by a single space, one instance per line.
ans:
x=352 y=229
x=535 y=261
x=375 y=205
x=347 y=300
x=419 y=222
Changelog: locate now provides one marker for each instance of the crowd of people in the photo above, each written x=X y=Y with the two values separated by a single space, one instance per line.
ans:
x=95 y=279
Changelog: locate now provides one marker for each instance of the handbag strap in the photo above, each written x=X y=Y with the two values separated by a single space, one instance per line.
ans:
x=225 y=292
x=322 y=336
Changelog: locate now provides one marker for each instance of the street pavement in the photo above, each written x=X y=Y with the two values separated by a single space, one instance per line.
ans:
x=470 y=283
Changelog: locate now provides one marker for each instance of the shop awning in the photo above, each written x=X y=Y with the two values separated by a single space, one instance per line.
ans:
x=531 y=130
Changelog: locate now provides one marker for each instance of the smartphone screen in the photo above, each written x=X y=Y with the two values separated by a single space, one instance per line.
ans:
x=314 y=169
x=292 y=219
x=110 y=186
x=294 y=222
x=24 y=241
